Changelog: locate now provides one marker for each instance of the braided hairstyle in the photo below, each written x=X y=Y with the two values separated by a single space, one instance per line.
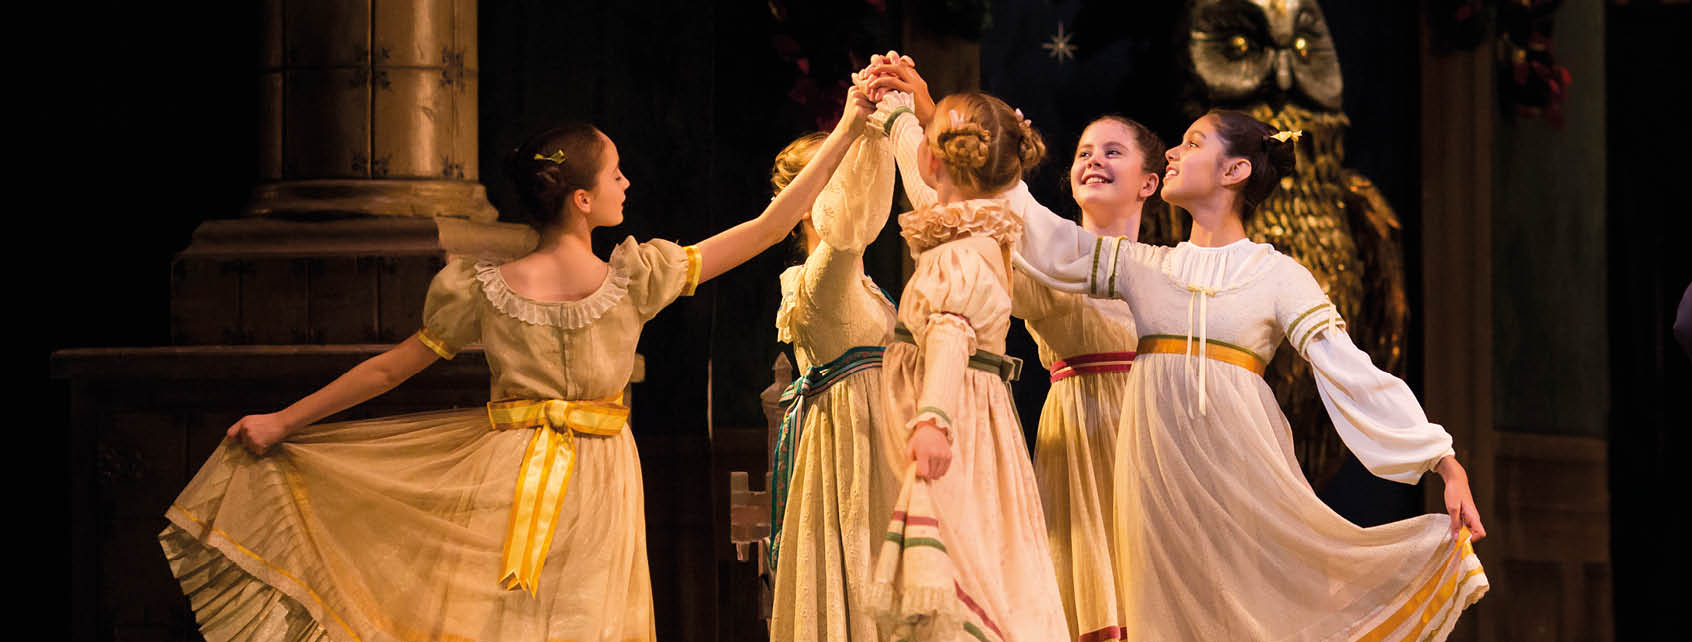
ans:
x=550 y=166
x=987 y=148
x=1271 y=159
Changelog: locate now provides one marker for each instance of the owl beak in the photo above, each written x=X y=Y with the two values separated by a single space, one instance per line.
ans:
x=1283 y=69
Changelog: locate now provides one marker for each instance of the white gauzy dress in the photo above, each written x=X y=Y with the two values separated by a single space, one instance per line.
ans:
x=1218 y=534
x=841 y=491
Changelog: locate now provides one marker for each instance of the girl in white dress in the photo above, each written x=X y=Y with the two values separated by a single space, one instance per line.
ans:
x=832 y=490
x=1217 y=534
x=522 y=521
x=945 y=378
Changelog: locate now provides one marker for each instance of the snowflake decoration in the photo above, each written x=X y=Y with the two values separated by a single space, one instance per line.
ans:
x=1059 y=46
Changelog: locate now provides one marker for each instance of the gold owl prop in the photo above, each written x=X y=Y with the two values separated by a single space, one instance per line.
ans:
x=1275 y=60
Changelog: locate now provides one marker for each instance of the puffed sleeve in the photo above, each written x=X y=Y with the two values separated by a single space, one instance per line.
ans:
x=1301 y=307
x=656 y=273
x=950 y=294
x=854 y=205
x=450 y=318
x=895 y=117
x=1375 y=413
x=848 y=215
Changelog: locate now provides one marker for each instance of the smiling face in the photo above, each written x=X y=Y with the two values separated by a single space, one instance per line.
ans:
x=1200 y=166
x=1109 y=167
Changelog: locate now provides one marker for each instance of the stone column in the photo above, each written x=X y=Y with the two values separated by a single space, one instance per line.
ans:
x=369 y=138
x=370 y=109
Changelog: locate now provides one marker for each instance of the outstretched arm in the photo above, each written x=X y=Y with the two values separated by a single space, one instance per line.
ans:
x=364 y=381
x=736 y=245
x=1381 y=422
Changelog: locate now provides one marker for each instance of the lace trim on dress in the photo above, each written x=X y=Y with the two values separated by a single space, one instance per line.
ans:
x=789 y=302
x=568 y=315
x=946 y=222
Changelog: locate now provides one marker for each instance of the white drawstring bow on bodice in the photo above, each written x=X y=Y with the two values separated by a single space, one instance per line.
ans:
x=1202 y=295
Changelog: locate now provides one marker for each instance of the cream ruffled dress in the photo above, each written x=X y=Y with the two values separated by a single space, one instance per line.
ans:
x=396 y=528
x=1086 y=342
x=841 y=489
x=1216 y=533
x=956 y=309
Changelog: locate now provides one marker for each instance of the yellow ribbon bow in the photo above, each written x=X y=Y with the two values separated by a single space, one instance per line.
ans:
x=547 y=467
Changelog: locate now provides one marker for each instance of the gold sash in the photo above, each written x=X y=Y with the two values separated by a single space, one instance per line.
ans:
x=1217 y=350
x=545 y=474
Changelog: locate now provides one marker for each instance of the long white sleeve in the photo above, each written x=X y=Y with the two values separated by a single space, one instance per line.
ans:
x=895 y=117
x=1054 y=250
x=1375 y=413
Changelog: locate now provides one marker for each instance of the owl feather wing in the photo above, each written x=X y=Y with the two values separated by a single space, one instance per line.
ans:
x=1385 y=311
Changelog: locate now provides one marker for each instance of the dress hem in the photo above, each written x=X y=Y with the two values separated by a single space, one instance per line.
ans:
x=182 y=528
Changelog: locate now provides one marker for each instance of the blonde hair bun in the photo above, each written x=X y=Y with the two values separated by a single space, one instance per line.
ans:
x=965 y=145
x=985 y=145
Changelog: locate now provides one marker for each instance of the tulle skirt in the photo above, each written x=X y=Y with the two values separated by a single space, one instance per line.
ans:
x=1218 y=536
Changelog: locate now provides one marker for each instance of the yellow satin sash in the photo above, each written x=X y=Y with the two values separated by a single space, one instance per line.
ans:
x=545 y=473
x=1217 y=350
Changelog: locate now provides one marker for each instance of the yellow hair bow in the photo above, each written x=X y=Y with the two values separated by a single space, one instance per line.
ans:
x=557 y=157
x=1286 y=136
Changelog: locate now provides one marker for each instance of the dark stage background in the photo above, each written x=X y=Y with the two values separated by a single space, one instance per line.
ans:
x=700 y=95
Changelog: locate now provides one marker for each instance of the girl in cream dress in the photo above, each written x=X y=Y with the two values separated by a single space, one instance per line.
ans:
x=1217 y=534
x=832 y=487
x=979 y=508
x=1087 y=345
x=521 y=521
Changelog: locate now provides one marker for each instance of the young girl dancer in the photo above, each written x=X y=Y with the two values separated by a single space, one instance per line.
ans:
x=1217 y=533
x=519 y=521
x=945 y=378
x=1086 y=344
x=832 y=490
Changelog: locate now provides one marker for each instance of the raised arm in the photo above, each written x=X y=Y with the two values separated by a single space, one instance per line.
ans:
x=896 y=117
x=736 y=245
x=849 y=215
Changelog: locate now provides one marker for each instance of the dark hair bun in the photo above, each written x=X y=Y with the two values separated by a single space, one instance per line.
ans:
x=552 y=164
x=1282 y=155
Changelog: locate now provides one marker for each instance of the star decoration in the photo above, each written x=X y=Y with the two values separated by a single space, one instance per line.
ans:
x=1059 y=45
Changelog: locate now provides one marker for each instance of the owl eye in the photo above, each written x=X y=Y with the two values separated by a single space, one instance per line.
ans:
x=1302 y=46
x=1239 y=46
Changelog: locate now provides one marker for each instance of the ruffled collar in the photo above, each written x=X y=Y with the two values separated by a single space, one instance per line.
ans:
x=568 y=315
x=946 y=222
x=785 y=323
